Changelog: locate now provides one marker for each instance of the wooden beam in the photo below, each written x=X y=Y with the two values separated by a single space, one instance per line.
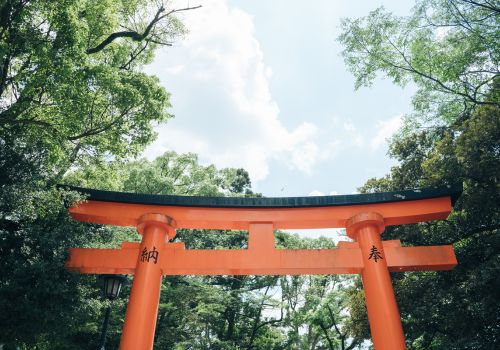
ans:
x=394 y=213
x=179 y=261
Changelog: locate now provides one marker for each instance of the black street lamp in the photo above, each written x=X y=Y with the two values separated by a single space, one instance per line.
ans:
x=111 y=286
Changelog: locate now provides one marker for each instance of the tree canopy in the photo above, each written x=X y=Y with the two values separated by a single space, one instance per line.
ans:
x=71 y=93
x=70 y=77
x=449 y=50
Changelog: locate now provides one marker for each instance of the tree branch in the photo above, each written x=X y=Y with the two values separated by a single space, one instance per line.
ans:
x=98 y=130
x=488 y=7
x=134 y=35
x=134 y=55
x=325 y=331
x=475 y=231
x=258 y=326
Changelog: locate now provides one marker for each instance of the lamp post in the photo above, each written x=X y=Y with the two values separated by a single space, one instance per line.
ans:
x=111 y=287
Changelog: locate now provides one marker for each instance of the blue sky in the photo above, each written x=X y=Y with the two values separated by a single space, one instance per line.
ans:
x=261 y=85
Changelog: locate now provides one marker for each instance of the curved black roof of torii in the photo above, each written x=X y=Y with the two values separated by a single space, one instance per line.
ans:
x=270 y=202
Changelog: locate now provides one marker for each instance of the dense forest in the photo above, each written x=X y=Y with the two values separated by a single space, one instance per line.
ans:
x=77 y=108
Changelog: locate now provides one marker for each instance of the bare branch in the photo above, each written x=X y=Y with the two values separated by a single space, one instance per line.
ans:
x=328 y=339
x=488 y=7
x=135 y=35
x=98 y=130
x=488 y=229
x=332 y=316
x=134 y=55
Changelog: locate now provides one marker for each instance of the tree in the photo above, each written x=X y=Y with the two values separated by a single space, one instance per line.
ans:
x=449 y=49
x=169 y=173
x=71 y=93
x=70 y=78
x=315 y=309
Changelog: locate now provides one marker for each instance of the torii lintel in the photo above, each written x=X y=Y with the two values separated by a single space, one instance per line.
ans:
x=236 y=213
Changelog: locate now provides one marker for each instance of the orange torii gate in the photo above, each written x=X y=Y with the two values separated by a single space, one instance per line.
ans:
x=365 y=217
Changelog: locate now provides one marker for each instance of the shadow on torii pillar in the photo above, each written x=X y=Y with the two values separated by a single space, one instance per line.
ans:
x=365 y=217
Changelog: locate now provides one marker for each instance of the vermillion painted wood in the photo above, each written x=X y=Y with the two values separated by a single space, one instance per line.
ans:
x=364 y=216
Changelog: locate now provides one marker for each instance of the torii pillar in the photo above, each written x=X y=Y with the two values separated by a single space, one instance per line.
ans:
x=383 y=313
x=142 y=311
x=364 y=216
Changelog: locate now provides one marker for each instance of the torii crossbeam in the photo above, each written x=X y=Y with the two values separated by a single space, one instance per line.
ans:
x=365 y=217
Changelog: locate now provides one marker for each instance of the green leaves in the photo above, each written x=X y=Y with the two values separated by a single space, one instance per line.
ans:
x=80 y=106
x=61 y=108
x=454 y=308
x=448 y=49
x=170 y=173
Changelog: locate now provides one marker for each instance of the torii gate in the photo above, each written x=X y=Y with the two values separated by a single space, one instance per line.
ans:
x=365 y=217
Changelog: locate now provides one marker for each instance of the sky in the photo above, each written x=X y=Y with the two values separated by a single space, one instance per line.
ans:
x=262 y=85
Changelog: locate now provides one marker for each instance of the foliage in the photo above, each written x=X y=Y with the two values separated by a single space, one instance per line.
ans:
x=74 y=105
x=252 y=312
x=36 y=293
x=455 y=309
x=71 y=93
x=315 y=309
x=70 y=78
x=449 y=49
x=170 y=173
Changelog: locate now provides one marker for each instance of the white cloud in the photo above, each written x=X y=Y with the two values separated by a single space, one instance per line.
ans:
x=304 y=156
x=331 y=149
x=353 y=134
x=385 y=129
x=319 y=193
x=367 y=138
x=316 y=193
x=224 y=108
x=175 y=69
